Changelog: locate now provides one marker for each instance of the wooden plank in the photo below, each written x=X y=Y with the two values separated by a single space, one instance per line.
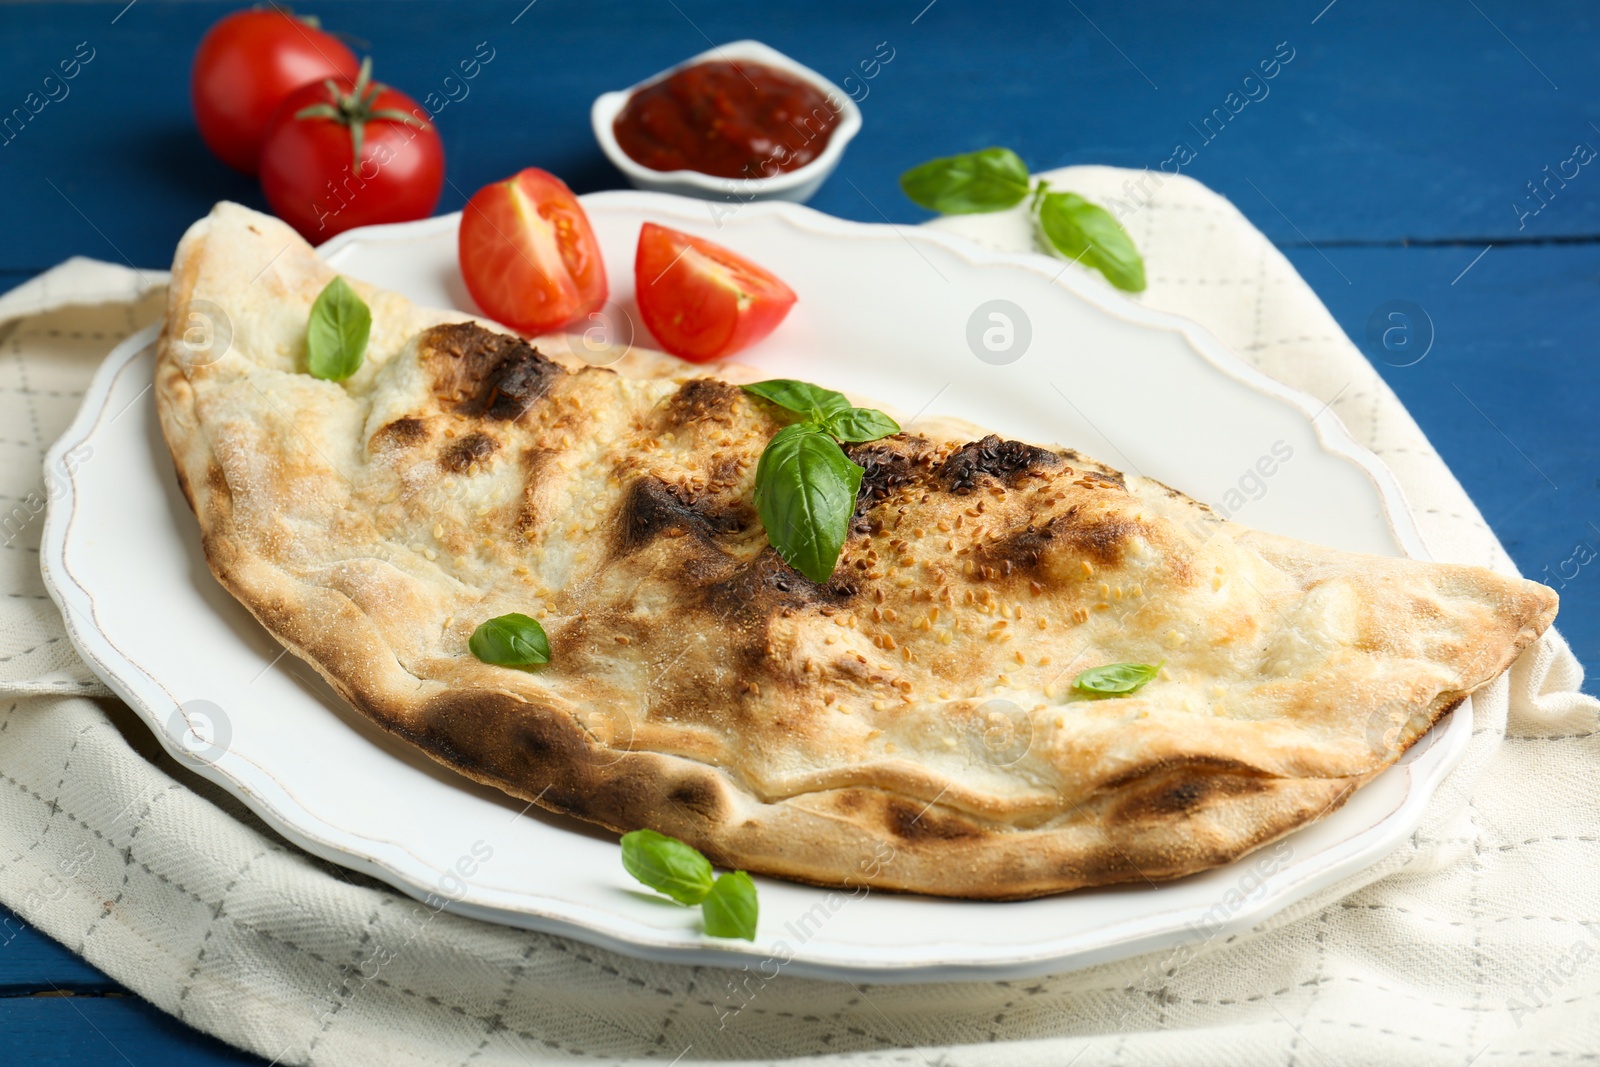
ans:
x=1389 y=122
x=57 y=1031
x=32 y=962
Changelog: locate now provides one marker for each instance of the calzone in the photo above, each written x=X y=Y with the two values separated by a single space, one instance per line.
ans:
x=912 y=723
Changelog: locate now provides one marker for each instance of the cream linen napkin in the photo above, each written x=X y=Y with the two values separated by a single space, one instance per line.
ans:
x=1475 y=942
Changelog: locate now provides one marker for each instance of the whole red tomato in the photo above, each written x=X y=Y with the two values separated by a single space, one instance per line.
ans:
x=528 y=254
x=358 y=154
x=245 y=65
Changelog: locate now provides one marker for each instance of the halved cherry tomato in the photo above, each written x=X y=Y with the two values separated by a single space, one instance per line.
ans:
x=700 y=300
x=528 y=254
x=245 y=65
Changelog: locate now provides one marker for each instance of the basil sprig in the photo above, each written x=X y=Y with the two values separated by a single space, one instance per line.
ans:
x=990 y=180
x=730 y=909
x=826 y=409
x=728 y=905
x=1116 y=679
x=805 y=494
x=812 y=401
x=805 y=485
x=336 y=336
x=667 y=865
x=859 y=425
x=513 y=640
x=996 y=178
x=1091 y=235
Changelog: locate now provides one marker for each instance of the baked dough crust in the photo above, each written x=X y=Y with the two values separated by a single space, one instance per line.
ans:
x=910 y=725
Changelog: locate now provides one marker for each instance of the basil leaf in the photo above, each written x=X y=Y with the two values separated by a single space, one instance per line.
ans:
x=812 y=401
x=805 y=495
x=336 y=336
x=989 y=180
x=667 y=865
x=1117 y=679
x=1091 y=235
x=730 y=910
x=859 y=424
x=512 y=640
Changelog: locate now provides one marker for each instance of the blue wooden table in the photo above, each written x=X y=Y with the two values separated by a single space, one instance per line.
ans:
x=1406 y=152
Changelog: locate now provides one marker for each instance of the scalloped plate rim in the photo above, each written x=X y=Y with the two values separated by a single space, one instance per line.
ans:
x=956 y=959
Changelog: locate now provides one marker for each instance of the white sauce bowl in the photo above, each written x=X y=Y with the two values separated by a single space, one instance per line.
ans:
x=797 y=185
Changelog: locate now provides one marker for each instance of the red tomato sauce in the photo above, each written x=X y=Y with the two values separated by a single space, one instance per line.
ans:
x=729 y=120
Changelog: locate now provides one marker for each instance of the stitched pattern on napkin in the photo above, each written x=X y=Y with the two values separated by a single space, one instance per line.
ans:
x=1475 y=942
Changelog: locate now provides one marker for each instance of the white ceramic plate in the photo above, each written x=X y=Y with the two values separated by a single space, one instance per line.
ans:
x=882 y=310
